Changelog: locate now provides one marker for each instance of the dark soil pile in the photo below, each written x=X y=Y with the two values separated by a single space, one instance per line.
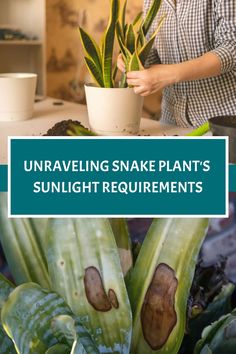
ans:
x=61 y=128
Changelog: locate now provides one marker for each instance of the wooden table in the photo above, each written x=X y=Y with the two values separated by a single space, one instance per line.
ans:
x=47 y=113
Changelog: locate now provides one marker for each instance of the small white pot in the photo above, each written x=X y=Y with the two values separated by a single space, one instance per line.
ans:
x=113 y=111
x=17 y=93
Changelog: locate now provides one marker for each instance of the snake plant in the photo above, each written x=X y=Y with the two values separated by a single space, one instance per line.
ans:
x=39 y=321
x=83 y=306
x=160 y=283
x=85 y=270
x=22 y=248
x=131 y=40
x=219 y=337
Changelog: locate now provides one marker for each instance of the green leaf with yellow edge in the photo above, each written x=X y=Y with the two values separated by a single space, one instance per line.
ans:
x=77 y=337
x=140 y=39
x=145 y=50
x=109 y=44
x=135 y=64
x=170 y=247
x=137 y=18
x=151 y=14
x=85 y=270
x=125 y=52
x=20 y=246
x=123 y=24
x=130 y=39
x=94 y=72
x=6 y=287
x=123 y=242
x=6 y=344
x=26 y=317
x=91 y=49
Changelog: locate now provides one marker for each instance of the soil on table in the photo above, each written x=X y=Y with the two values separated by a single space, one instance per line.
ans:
x=61 y=128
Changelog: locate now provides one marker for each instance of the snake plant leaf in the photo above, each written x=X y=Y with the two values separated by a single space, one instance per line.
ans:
x=85 y=270
x=6 y=287
x=135 y=63
x=123 y=242
x=219 y=338
x=145 y=50
x=6 y=344
x=219 y=306
x=125 y=52
x=39 y=227
x=109 y=44
x=91 y=49
x=137 y=18
x=27 y=315
x=23 y=254
x=206 y=350
x=151 y=14
x=76 y=335
x=94 y=72
x=59 y=349
x=130 y=39
x=126 y=55
x=114 y=73
x=159 y=284
x=123 y=22
x=123 y=81
x=140 y=39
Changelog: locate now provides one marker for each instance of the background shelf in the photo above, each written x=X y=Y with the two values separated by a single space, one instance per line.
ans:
x=21 y=42
x=22 y=55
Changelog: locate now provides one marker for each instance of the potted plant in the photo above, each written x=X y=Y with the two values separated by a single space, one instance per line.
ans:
x=115 y=109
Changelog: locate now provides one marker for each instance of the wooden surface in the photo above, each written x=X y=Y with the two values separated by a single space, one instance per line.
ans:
x=46 y=114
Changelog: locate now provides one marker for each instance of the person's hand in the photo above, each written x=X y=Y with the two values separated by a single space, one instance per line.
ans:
x=120 y=63
x=153 y=79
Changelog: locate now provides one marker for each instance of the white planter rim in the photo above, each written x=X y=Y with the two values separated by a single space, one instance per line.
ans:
x=17 y=75
x=94 y=87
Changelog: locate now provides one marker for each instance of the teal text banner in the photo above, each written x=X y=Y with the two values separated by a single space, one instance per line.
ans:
x=3 y=178
x=118 y=177
x=232 y=178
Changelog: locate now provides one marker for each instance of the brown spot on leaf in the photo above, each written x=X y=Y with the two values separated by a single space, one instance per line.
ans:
x=158 y=315
x=95 y=291
x=113 y=298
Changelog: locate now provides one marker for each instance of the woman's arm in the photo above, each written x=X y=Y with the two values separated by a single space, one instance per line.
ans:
x=218 y=61
x=157 y=77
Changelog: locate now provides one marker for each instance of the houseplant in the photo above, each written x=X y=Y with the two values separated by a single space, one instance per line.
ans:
x=75 y=298
x=86 y=301
x=115 y=109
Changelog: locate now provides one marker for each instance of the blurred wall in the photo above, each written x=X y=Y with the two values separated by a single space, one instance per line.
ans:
x=66 y=71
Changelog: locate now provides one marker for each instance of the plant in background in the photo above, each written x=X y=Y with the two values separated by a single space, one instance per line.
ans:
x=131 y=39
x=210 y=298
x=219 y=337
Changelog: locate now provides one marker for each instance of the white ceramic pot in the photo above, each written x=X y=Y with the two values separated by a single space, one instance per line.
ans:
x=113 y=111
x=17 y=93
